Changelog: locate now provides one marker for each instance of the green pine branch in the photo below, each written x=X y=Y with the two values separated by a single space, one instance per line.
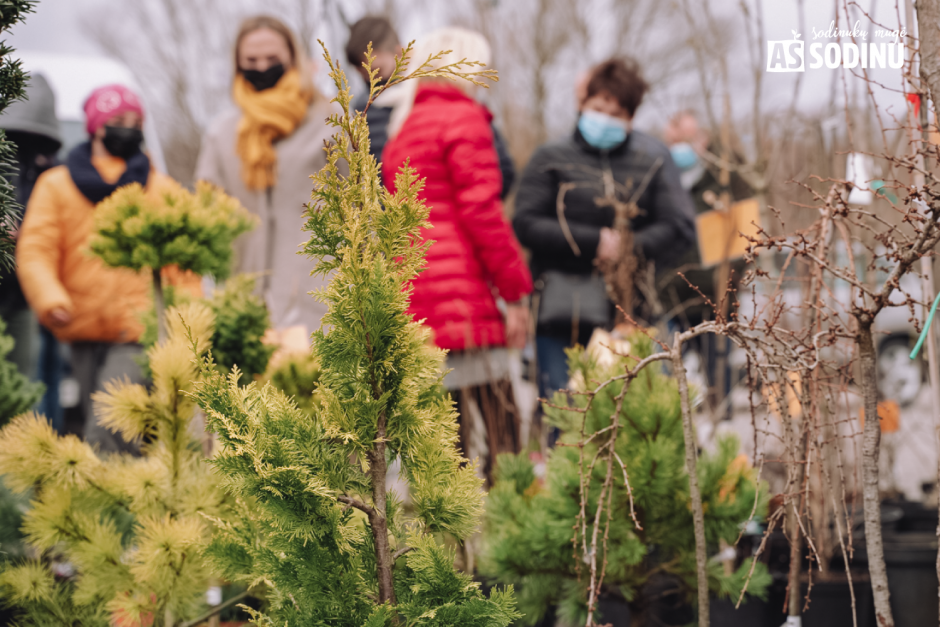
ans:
x=12 y=87
x=17 y=392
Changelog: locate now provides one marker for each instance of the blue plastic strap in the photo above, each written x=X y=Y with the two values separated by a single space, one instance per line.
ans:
x=923 y=334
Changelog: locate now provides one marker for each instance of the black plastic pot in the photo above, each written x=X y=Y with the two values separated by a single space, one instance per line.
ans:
x=911 y=560
x=750 y=614
x=916 y=517
x=614 y=612
x=663 y=602
x=830 y=606
x=910 y=549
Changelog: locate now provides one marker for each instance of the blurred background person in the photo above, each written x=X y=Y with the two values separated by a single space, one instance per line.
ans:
x=690 y=145
x=31 y=124
x=94 y=307
x=385 y=47
x=603 y=156
x=448 y=138
x=263 y=153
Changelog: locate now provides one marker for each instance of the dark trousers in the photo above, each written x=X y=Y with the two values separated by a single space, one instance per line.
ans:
x=95 y=364
x=553 y=370
x=51 y=371
x=553 y=364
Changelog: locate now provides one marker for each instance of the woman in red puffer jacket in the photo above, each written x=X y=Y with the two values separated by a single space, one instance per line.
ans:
x=446 y=135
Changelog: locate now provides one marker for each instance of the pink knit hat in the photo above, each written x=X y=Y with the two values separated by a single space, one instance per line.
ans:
x=106 y=102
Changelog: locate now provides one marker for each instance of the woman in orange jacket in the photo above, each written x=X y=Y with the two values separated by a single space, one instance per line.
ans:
x=94 y=307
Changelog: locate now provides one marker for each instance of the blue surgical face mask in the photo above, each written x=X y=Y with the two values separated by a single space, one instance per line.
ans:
x=601 y=130
x=684 y=156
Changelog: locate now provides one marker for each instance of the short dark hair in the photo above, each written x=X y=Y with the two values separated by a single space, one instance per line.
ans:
x=622 y=79
x=374 y=28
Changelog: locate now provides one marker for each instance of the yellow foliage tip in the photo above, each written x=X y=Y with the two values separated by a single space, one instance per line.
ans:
x=124 y=407
x=30 y=583
x=32 y=453
x=191 y=322
x=173 y=368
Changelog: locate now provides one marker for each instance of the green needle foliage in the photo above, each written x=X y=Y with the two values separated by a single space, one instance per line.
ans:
x=296 y=375
x=12 y=84
x=133 y=527
x=193 y=231
x=17 y=393
x=317 y=521
x=241 y=320
x=538 y=535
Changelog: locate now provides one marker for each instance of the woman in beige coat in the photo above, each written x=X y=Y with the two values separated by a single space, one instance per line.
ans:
x=263 y=153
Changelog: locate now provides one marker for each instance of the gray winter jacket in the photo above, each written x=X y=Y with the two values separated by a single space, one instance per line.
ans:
x=271 y=250
x=31 y=124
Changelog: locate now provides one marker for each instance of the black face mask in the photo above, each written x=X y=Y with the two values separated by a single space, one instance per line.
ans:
x=121 y=141
x=264 y=79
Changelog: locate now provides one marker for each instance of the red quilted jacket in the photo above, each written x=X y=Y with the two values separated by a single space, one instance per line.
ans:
x=448 y=139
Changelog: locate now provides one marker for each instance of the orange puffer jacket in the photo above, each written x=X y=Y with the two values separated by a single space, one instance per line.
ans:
x=56 y=268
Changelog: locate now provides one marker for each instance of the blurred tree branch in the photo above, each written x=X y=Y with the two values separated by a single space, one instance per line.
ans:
x=180 y=53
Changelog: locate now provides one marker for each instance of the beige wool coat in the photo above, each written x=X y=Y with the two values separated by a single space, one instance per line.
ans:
x=271 y=250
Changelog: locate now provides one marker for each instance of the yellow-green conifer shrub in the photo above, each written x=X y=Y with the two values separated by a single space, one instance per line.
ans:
x=296 y=375
x=133 y=527
x=322 y=528
x=192 y=231
x=17 y=395
x=241 y=322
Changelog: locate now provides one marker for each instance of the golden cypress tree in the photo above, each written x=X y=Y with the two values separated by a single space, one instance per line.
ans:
x=317 y=519
x=192 y=231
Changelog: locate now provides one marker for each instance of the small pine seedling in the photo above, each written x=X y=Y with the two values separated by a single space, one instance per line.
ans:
x=540 y=531
x=133 y=528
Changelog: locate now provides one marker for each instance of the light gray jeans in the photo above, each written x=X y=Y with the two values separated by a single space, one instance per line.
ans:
x=93 y=365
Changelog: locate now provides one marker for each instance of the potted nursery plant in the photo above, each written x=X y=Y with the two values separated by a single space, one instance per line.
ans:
x=631 y=518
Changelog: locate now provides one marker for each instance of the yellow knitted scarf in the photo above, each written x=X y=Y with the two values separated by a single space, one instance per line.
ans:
x=267 y=116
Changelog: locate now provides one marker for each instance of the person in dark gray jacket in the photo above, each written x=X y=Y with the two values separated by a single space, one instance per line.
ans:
x=31 y=124
x=564 y=211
